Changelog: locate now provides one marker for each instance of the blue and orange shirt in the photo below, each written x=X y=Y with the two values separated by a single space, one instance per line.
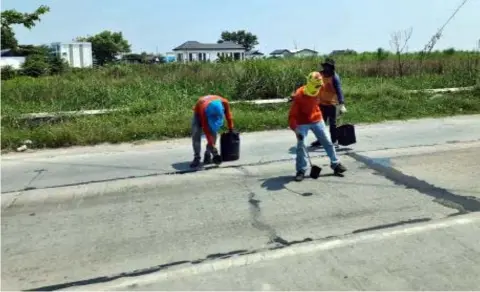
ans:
x=331 y=92
x=200 y=110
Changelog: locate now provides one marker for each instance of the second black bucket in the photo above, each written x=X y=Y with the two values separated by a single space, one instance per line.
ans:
x=230 y=146
x=346 y=135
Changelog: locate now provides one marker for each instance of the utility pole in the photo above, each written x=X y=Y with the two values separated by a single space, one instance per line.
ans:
x=429 y=46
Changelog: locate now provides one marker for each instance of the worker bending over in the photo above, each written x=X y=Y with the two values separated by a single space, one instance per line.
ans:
x=208 y=117
x=305 y=115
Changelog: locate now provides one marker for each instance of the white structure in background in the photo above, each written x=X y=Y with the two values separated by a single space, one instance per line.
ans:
x=8 y=59
x=77 y=54
x=192 y=51
x=14 y=62
x=282 y=53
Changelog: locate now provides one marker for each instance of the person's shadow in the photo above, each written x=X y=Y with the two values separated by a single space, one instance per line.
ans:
x=293 y=149
x=182 y=166
x=276 y=183
x=280 y=183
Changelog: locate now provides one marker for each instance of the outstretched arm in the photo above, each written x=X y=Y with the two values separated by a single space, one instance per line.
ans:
x=292 y=115
x=338 y=88
x=228 y=113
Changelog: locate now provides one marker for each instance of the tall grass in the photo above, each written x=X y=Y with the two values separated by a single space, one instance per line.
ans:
x=160 y=97
x=165 y=85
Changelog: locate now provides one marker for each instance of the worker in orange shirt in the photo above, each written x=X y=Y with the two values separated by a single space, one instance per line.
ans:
x=305 y=115
x=332 y=101
x=209 y=113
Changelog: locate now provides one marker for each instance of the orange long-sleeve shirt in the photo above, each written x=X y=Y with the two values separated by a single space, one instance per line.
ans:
x=304 y=109
x=200 y=109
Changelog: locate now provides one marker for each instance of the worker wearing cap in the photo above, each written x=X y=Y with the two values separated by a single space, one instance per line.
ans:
x=209 y=113
x=305 y=115
x=332 y=102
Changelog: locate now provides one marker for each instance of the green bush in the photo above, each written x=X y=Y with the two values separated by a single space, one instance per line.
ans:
x=8 y=72
x=36 y=65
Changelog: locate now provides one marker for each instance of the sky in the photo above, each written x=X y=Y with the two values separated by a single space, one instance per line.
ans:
x=323 y=25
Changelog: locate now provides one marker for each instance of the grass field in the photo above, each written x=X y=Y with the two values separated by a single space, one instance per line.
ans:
x=160 y=97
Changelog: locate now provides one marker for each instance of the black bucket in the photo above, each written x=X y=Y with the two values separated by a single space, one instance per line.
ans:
x=346 y=135
x=230 y=146
x=315 y=171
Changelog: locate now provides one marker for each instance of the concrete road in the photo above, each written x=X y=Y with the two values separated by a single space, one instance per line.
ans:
x=405 y=216
x=72 y=166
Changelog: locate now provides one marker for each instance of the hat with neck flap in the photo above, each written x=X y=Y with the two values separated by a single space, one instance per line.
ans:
x=314 y=83
x=215 y=113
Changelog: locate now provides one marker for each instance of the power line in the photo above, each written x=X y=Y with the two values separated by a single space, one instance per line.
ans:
x=429 y=46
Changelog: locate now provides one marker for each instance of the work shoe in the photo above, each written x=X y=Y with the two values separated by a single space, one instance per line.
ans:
x=338 y=168
x=217 y=159
x=195 y=163
x=316 y=144
x=300 y=175
x=207 y=158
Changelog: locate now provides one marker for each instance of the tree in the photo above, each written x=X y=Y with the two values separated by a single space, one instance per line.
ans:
x=107 y=45
x=57 y=65
x=36 y=65
x=240 y=37
x=144 y=58
x=399 y=44
x=12 y=17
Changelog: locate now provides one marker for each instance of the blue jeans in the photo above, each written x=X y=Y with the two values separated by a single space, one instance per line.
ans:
x=197 y=132
x=320 y=131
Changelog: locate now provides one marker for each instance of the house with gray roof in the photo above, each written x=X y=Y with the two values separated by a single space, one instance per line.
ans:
x=282 y=53
x=254 y=55
x=193 y=51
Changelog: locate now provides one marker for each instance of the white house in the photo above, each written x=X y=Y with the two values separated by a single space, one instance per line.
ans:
x=192 y=51
x=9 y=59
x=14 y=62
x=77 y=54
x=304 y=53
x=282 y=53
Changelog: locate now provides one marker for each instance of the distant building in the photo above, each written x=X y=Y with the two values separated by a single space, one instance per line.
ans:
x=254 y=55
x=304 y=53
x=282 y=53
x=77 y=54
x=193 y=51
x=9 y=59
x=169 y=58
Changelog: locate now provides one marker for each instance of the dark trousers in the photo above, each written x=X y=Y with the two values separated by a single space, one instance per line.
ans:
x=329 y=113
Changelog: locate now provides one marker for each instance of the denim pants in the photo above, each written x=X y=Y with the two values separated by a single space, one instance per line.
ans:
x=329 y=113
x=197 y=132
x=320 y=131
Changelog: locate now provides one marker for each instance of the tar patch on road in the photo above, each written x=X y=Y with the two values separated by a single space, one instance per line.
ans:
x=441 y=196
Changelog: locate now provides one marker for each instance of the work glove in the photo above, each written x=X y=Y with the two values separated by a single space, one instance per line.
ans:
x=217 y=159
x=212 y=149
x=341 y=109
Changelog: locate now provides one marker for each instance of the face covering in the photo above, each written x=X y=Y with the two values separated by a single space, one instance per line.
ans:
x=314 y=83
